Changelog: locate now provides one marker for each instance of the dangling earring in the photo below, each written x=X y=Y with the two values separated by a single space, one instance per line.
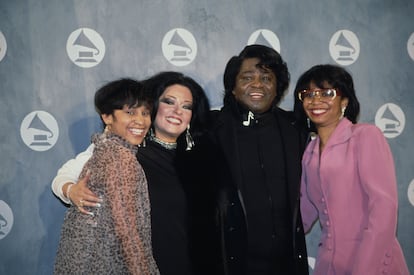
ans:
x=189 y=139
x=308 y=121
x=343 y=112
x=144 y=141
x=151 y=133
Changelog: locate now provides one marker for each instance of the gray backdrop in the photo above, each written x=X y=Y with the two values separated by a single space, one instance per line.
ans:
x=55 y=54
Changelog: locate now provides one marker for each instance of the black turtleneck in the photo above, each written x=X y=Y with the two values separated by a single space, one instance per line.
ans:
x=264 y=191
x=169 y=210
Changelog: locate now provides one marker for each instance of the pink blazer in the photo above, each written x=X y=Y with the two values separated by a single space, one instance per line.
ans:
x=352 y=189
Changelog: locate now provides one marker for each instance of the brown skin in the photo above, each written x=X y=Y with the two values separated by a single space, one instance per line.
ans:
x=255 y=87
x=178 y=106
x=132 y=124
x=80 y=192
x=325 y=114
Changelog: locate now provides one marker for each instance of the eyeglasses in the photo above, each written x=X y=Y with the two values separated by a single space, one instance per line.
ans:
x=328 y=94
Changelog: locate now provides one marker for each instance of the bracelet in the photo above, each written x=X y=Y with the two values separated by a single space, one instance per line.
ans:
x=68 y=193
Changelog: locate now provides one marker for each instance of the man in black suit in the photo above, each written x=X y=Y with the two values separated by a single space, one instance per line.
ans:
x=258 y=164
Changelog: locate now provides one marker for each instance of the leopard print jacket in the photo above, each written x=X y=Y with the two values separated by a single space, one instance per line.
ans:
x=117 y=238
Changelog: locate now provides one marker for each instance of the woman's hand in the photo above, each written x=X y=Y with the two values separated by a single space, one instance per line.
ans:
x=80 y=195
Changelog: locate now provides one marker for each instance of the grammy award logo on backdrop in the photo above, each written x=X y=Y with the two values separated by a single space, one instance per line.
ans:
x=179 y=47
x=410 y=46
x=390 y=119
x=85 y=47
x=3 y=46
x=266 y=38
x=6 y=219
x=344 y=47
x=39 y=131
x=410 y=192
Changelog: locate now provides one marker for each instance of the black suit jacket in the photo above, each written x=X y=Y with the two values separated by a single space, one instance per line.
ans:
x=230 y=215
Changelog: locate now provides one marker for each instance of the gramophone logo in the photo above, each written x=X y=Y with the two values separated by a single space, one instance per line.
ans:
x=390 y=119
x=410 y=46
x=266 y=38
x=3 y=46
x=85 y=47
x=410 y=192
x=6 y=219
x=344 y=47
x=39 y=131
x=179 y=47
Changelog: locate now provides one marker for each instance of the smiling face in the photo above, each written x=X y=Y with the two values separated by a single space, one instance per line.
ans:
x=324 y=113
x=130 y=123
x=255 y=88
x=174 y=113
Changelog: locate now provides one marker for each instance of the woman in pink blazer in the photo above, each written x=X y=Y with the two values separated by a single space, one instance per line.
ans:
x=348 y=179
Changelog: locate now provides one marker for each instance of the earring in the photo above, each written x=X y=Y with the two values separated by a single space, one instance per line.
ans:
x=308 y=122
x=343 y=112
x=189 y=139
x=144 y=142
x=151 y=133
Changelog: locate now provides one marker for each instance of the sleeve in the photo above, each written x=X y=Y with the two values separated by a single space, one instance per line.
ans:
x=308 y=210
x=378 y=179
x=124 y=199
x=70 y=172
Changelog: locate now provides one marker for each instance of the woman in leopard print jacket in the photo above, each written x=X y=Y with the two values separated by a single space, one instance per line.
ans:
x=116 y=237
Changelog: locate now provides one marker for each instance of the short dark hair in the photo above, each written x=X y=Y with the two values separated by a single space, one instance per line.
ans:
x=157 y=84
x=338 y=78
x=269 y=58
x=116 y=94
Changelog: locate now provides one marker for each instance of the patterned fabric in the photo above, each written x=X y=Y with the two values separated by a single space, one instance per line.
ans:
x=117 y=239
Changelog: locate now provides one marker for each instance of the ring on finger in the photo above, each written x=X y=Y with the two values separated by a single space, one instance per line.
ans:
x=81 y=202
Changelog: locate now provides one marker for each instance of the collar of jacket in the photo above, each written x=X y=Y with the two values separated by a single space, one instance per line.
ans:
x=341 y=134
x=226 y=136
x=244 y=115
